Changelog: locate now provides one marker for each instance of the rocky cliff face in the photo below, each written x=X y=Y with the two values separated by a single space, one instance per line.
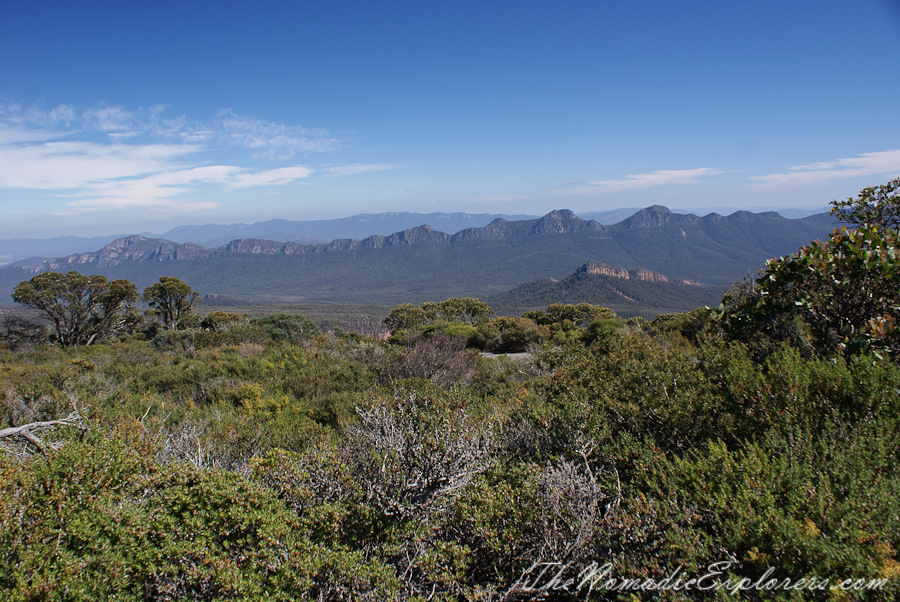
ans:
x=645 y=275
x=131 y=248
x=560 y=221
x=139 y=248
x=743 y=216
x=257 y=246
x=604 y=270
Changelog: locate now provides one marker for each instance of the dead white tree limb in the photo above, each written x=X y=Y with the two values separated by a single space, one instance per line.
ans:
x=28 y=433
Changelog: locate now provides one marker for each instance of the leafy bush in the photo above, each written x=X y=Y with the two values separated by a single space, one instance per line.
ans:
x=97 y=521
x=846 y=292
x=875 y=205
x=438 y=358
x=511 y=335
x=408 y=317
x=293 y=329
x=218 y=321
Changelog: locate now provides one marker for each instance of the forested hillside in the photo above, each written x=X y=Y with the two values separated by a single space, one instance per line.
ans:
x=629 y=292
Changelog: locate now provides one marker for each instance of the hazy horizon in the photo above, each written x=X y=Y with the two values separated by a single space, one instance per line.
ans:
x=789 y=213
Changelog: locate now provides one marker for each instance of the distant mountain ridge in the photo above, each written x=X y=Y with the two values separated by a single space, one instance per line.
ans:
x=358 y=226
x=16 y=250
x=140 y=248
x=361 y=226
x=422 y=263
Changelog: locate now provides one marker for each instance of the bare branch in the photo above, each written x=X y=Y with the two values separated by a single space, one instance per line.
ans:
x=27 y=432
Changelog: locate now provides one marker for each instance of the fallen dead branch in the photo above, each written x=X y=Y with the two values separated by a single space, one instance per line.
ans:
x=29 y=433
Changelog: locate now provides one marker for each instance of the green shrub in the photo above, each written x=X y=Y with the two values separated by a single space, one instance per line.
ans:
x=288 y=328
x=510 y=335
x=98 y=521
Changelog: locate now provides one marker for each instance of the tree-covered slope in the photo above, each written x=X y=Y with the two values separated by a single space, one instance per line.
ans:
x=627 y=296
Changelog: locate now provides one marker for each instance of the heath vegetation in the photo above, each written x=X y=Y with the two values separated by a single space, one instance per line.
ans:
x=166 y=455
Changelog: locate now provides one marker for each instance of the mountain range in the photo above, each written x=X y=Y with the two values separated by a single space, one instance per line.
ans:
x=423 y=264
x=15 y=250
x=33 y=250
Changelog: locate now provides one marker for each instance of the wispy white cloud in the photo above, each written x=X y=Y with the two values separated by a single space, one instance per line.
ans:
x=867 y=164
x=271 y=177
x=349 y=170
x=155 y=190
x=269 y=139
x=642 y=180
x=159 y=190
x=107 y=157
x=67 y=165
x=109 y=119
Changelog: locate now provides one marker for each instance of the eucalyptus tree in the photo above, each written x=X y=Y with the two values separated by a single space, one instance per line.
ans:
x=174 y=299
x=81 y=308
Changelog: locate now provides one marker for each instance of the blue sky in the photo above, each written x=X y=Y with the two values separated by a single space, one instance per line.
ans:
x=125 y=117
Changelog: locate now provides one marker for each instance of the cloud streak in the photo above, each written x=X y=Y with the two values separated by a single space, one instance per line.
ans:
x=642 y=181
x=268 y=139
x=867 y=164
x=67 y=165
x=107 y=157
x=271 y=177
x=357 y=168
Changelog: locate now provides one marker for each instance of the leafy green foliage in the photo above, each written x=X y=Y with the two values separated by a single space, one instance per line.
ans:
x=98 y=520
x=81 y=308
x=173 y=299
x=570 y=316
x=511 y=335
x=289 y=328
x=407 y=316
x=222 y=321
x=875 y=206
x=581 y=322
x=845 y=291
x=466 y=310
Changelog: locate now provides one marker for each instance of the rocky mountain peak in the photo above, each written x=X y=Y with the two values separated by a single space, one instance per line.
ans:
x=561 y=214
x=650 y=217
x=563 y=221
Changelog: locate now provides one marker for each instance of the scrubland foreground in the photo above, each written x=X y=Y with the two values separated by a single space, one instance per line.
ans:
x=746 y=452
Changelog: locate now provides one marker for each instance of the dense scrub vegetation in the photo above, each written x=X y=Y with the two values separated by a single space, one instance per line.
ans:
x=244 y=459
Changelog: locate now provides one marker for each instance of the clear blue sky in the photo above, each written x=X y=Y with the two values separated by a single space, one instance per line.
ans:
x=123 y=116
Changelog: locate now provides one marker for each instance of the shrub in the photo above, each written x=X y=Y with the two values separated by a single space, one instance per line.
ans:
x=845 y=292
x=293 y=329
x=510 y=335
x=439 y=358
x=98 y=521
